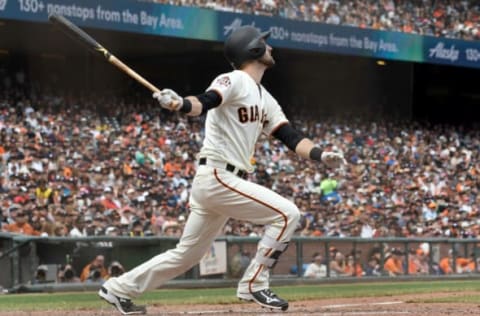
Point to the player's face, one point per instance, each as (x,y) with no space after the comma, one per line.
(267,58)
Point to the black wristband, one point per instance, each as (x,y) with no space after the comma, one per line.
(187,106)
(316,154)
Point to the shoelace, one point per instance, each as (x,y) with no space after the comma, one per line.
(270,293)
(127,303)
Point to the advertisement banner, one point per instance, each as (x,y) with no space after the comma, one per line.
(329,38)
(205,24)
(118,15)
(452,52)
(356,41)
(215,260)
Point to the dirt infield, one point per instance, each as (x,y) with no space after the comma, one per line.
(389,305)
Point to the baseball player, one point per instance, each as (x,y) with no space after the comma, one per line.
(238,110)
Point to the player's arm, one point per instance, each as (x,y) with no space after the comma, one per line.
(297,142)
(305,148)
(191,105)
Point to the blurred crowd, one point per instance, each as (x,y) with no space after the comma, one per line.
(443,18)
(67,170)
(390,261)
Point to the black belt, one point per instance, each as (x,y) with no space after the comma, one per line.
(229,167)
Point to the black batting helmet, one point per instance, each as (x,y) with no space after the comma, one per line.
(245,43)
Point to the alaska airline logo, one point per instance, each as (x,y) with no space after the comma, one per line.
(236,23)
(441,52)
(3,4)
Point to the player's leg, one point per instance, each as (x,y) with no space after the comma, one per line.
(244,200)
(254,284)
(200,230)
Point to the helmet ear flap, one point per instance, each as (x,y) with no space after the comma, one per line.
(244,44)
(257,52)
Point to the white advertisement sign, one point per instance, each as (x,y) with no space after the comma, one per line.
(215,260)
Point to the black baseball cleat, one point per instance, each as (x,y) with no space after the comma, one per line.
(265,298)
(124,305)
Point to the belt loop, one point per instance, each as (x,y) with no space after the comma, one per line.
(242,174)
(229,167)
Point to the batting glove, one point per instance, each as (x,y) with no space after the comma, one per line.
(169,99)
(333,159)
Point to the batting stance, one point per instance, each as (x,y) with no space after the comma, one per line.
(238,110)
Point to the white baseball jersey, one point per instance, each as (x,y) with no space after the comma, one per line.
(233,128)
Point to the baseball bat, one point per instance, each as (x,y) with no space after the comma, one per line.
(78,34)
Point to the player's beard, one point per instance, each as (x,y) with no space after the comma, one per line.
(267,60)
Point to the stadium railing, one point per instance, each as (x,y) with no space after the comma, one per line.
(20,255)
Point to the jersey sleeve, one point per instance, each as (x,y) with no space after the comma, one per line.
(275,116)
(225,85)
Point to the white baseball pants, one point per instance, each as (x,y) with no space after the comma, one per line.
(216,196)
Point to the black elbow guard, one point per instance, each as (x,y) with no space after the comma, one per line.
(209,100)
(289,136)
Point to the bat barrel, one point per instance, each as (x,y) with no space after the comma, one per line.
(75,32)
